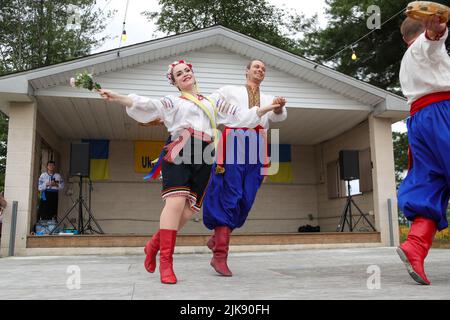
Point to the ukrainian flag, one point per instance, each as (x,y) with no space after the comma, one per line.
(99,154)
(284,174)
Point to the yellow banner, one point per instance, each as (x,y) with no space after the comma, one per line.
(144,153)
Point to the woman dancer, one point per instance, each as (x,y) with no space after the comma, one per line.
(191,119)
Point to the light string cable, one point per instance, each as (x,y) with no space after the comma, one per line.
(365,36)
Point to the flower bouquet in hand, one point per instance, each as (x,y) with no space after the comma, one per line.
(84,80)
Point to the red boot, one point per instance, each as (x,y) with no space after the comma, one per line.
(151,250)
(219,260)
(211,242)
(415,249)
(166,248)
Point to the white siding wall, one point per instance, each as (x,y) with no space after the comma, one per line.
(126,204)
(214,67)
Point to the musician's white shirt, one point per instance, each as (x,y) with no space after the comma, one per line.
(178,113)
(238,96)
(45,177)
(425,68)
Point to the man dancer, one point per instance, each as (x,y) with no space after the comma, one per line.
(233,186)
(424,194)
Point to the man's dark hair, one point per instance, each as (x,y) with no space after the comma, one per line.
(51,161)
(249,65)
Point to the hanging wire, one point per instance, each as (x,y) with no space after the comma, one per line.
(106,5)
(124,32)
(352,45)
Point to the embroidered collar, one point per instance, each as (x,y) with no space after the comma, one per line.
(254,96)
(198,96)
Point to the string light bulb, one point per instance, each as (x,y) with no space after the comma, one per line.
(123,36)
(354,57)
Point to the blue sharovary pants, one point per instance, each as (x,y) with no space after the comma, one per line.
(426,189)
(230,196)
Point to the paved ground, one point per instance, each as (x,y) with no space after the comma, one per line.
(303,274)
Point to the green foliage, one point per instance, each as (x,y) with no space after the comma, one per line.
(379,54)
(3,140)
(37,33)
(400,141)
(255,18)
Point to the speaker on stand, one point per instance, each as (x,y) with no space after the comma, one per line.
(349,170)
(80,167)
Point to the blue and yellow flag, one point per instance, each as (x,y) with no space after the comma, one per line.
(284,174)
(99,154)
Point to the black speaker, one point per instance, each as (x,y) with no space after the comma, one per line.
(349,164)
(79,159)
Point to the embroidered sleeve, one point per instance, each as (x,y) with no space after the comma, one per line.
(146,110)
(167,103)
(225,108)
(232,116)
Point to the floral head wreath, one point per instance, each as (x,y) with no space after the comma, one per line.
(172,65)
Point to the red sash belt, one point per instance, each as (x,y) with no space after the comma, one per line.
(174,148)
(425,101)
(221,149)
(420,104)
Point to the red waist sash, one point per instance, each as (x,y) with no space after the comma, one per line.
(425,101)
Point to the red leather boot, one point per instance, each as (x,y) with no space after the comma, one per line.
(211,242)
(415,249)
(151,250)
(166,248)
(220,252)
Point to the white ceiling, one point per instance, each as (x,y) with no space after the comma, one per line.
(83,118)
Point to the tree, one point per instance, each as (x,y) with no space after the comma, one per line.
(400,141)
(255,18)
(379,54)
(3,140)
(36,33)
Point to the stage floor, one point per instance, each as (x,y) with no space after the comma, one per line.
(118,240)
(305,274)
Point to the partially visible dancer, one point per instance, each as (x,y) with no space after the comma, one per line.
(424,194)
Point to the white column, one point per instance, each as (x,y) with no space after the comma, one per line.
(383,174)
(19,180)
